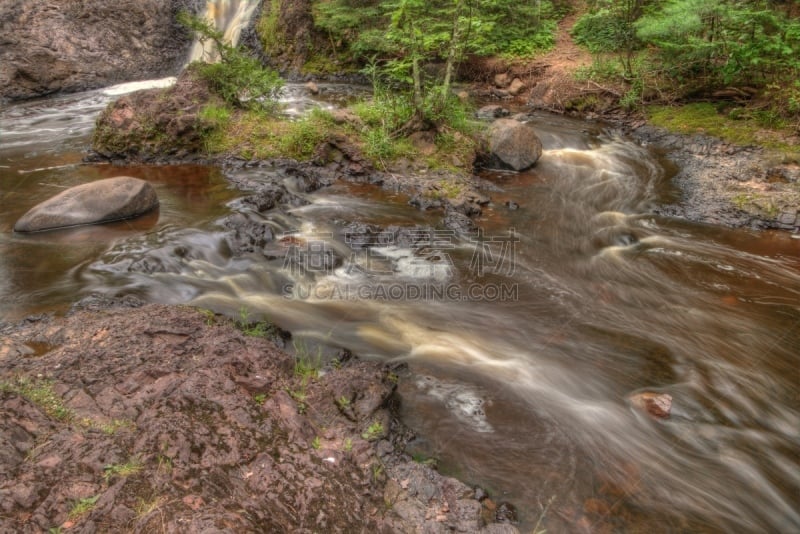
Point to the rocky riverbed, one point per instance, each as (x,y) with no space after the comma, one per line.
(139,418)
(726,184)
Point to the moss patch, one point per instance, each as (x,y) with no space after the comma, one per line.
(705,118)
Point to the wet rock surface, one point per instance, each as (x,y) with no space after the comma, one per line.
(51,46)
(726,184)
(112,199)
(159,418)
(513,145)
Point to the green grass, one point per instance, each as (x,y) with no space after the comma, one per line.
(307,363)
(257,134)
(82,507)
(254,328)
(373,432)
(704,118)
(253,134)
(40,392)
(129,468)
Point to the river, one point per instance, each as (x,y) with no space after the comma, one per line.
(524,341)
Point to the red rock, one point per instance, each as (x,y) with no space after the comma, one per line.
(194,502)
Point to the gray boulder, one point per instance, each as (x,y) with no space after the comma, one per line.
(112,199)
(513,145)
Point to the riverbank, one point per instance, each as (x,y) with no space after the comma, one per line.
(146,417)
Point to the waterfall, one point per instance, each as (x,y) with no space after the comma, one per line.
(230,16)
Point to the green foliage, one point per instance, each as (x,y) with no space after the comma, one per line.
(347,21)
(609,27)
(684,47)
(374,432)
(602,31)
(316,443)
(601,69)
(238,78)
(540,40)
(490,27)
(723,41)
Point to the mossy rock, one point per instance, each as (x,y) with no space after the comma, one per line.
(156,123)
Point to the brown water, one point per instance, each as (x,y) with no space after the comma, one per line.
(525,394)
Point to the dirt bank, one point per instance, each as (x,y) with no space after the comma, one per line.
(147,418)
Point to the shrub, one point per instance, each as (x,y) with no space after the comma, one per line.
(240,79)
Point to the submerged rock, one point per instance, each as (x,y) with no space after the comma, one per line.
(656,404)
(492,111)
(112,199)
(513,145)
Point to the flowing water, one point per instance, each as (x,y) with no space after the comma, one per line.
(231,17)
(523,342)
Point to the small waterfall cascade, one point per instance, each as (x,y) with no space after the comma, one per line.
(230,16)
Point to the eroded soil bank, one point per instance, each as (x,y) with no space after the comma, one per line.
(149,418)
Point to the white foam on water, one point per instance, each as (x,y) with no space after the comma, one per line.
(464,402)
(130,87)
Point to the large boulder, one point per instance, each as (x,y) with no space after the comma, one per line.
(513,145)
(49,46)
(112,199)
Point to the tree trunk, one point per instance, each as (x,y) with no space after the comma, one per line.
(452,52)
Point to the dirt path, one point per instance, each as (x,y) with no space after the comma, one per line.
(566,56)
